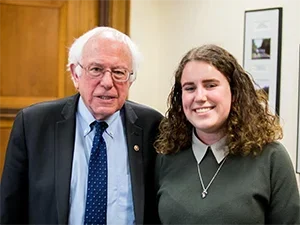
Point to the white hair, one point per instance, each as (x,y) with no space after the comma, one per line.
(75,51)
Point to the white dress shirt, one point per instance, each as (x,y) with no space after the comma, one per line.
(119,191)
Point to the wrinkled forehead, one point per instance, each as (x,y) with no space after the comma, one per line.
(106,45)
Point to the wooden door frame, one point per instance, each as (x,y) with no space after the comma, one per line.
(116,14)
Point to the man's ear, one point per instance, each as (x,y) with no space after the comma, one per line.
(75,76)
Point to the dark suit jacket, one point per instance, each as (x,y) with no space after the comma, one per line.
(35,186)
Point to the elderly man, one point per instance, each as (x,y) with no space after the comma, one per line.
(88,158)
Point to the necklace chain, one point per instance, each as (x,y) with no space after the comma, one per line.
(205,189)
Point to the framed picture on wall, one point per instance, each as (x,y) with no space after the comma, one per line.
(298,127)
(262,51)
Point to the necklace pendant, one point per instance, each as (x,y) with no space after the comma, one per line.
(204,193)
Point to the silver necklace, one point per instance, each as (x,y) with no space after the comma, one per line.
(205,189)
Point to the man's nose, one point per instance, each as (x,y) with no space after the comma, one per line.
(107,80)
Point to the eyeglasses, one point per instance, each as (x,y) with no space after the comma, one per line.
(118,74)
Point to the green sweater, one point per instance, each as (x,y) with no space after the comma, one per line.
(247,190)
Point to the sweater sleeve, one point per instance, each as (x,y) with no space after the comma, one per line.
(157,183)
(284,207)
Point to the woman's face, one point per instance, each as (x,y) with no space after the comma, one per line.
(206,99)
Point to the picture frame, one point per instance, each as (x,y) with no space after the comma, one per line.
(298,124)
(262,51)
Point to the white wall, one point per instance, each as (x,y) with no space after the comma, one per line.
(144,21)
(166,29)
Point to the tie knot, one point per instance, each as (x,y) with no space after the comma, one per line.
(100,127)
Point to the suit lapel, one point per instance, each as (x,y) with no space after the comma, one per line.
(134,135)
(64,147)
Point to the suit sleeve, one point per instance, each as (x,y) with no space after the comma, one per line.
(285,203)
(14,183)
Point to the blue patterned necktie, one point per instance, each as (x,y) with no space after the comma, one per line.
(96,196)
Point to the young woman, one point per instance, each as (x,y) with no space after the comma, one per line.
(220,161)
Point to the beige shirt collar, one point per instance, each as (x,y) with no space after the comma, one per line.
(219,149)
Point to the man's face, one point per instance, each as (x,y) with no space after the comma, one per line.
(102,95)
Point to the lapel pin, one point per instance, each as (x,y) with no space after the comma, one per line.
(136,148)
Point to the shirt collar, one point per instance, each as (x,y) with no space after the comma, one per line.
(219,149)
(87,119)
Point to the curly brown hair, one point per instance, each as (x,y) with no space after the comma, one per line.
(250,124)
